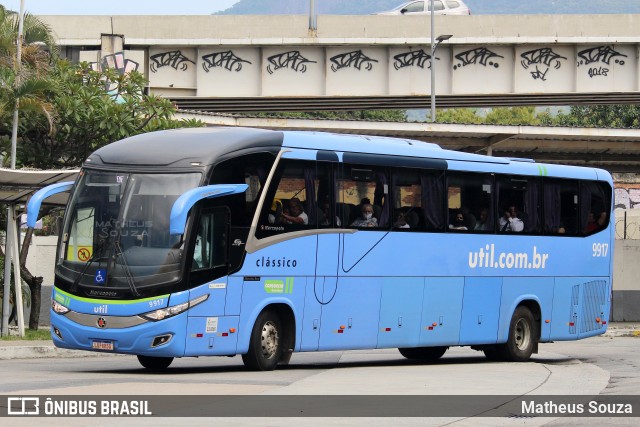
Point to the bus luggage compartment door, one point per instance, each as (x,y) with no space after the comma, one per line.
(481,310)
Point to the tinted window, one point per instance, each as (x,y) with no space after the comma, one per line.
(560,206)
(452,4)
(360,187)
(595,206)
(437,5)
(290,204)
(518,203)
(417,199)
(470,202)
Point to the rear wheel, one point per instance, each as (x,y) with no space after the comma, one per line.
(265,345)
(155,363)
(522,336)
(423,353)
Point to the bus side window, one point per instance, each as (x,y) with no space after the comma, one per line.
(291,202)
(523,193)
(595,206)
(470,202)
(560,206)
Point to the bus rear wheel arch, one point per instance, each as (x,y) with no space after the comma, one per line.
(523,336)
(427,354)
(155,363)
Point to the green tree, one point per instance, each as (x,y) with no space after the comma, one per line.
(604,116)
(512,116)
(459,115)
(373,115)
(92,109)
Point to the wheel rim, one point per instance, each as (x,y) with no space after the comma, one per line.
(522,334)
(269,340)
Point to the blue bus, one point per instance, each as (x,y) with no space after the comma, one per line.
(237,241)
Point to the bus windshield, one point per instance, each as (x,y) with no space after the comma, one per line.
(116,234)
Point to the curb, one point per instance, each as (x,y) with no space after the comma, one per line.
(45,352)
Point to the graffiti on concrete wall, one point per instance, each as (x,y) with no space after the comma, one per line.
(355,59)
(598,59)
(227,60)
(543,60)
(415,58)
(174,59)
(627,196)
(117,62)
(480,55)
(292,59)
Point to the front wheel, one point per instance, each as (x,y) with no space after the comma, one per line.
(428,354)
(265,345)
(522,336)
(155,363)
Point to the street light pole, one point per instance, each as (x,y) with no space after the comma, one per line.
(433,65)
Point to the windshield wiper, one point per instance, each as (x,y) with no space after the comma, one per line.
(125,265)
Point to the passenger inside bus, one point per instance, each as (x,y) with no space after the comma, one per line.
(458,222)
(483,222)
(296,214)
(366,219)
(510,222)
(401,221)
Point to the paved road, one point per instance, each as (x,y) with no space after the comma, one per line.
(598,365)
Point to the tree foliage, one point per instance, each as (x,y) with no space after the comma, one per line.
(91,109)
(372,115)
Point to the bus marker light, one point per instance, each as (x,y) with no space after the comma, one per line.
(572,324)
(547,321)
(387,329)
(199,335)
(225,334)
(598,319)
(431,328)
(342,326)
(604,322)
(434,324)
(341,331)
(232,330)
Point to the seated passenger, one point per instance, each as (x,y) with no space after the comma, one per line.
(401,221)
(510,222)
(367,219)
(296,214)
(458,222)
(594,224)
(326,209)
(483,223)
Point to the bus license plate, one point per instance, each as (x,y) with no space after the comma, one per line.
(102,345)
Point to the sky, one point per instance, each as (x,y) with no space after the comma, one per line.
(120,7)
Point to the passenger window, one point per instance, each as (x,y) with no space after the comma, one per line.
(595,206)
(417,199)
(452,4)
(470,202)
(518,204)
(560,207)
(290,204)
(252,170)
(363,197)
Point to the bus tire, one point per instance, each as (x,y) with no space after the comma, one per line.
(155,363)
(265,344)
(428,354)
(522,336)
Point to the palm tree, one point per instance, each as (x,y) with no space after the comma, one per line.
(27,87)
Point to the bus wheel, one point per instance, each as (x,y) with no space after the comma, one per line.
(522,336)
(423,353)
(155,363)
(265,345)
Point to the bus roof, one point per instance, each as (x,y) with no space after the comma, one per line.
(205,146)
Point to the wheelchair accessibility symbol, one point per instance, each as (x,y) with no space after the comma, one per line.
(100,277)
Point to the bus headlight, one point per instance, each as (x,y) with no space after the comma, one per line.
(165,313)
(59,308)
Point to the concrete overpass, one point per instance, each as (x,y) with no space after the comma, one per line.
(252,63)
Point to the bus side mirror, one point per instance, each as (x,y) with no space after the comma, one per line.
(33,207)
(182,206)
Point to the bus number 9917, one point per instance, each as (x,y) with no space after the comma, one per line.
(600,249)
